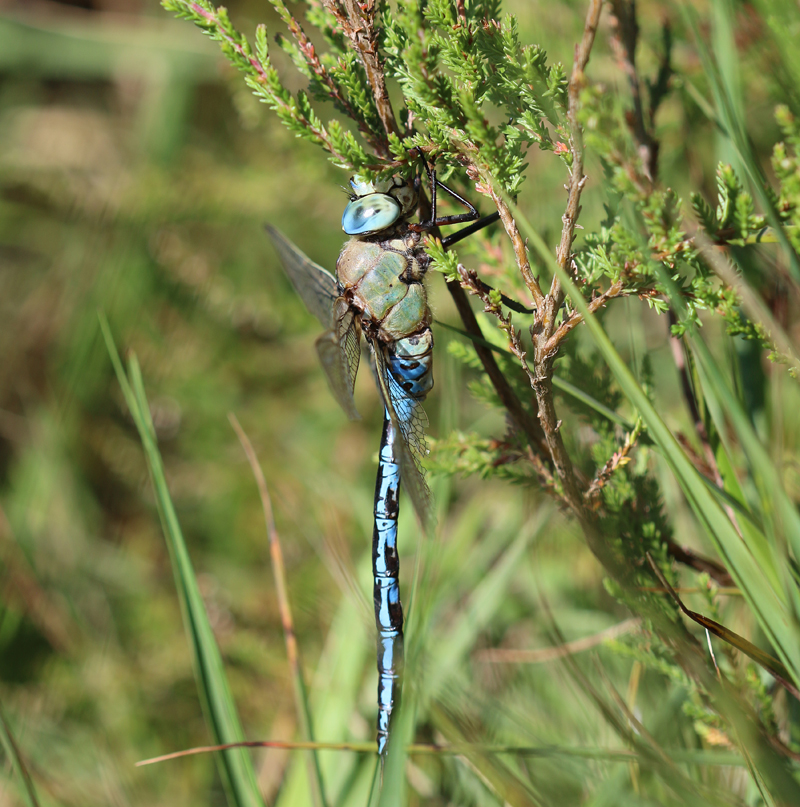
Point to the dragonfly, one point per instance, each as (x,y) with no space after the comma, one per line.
(379,292)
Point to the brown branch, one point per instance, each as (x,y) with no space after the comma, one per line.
(486,184)
(544,352)
(313,61)
(624,37)
(617,289)
(518,244)
(577,178)
(618,460)
(538,461)
(700,563)
(470,282)
(541,377)
(357,21)
(521,419)
(551,425)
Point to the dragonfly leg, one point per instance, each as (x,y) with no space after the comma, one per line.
(441,221)
(386,590)
(475,227)
(454,238)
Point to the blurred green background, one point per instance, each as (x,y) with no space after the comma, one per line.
(136,172)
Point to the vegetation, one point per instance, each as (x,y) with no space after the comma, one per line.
(622,480)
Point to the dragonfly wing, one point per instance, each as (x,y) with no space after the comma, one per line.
(316,286)
(408,415)
(339,347)
(339,352)
(348,329)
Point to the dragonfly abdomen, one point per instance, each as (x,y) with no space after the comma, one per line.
(386,587)
(411,363)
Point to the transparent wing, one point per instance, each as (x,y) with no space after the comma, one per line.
(339,351)
(350,342)
(316,286)
(339,348)
(408,415)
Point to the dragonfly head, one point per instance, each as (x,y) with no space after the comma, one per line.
(376,206)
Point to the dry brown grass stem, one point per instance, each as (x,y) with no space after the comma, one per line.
(509,655)
(284,607)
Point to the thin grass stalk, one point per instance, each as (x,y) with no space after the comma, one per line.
(682,755)
(292,650)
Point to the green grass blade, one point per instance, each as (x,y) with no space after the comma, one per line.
(393,786)
(17,763)
(730,121)
(235,766)
(449,650)
(778,507)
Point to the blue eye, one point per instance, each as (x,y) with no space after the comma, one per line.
(370,214)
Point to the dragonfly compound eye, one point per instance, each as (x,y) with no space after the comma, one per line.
(370,214)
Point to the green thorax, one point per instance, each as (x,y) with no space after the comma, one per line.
(383,280)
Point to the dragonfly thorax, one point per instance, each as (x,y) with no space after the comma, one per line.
(383,281)
(377,206)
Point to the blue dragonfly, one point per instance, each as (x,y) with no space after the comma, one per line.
(379,291)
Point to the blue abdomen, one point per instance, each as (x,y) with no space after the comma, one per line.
(411,363)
